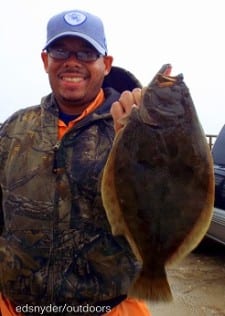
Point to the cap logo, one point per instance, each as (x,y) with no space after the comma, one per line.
(74,18)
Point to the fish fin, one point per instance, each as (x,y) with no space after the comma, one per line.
(152,288)
(111,203)
(201,226)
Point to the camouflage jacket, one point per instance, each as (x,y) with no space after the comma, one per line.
(56,245)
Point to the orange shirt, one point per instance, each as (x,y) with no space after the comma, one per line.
(6,308)
(129,306)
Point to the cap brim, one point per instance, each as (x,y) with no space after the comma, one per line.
(96,45)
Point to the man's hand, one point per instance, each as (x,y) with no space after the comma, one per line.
(122,108)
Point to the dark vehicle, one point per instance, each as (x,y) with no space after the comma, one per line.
(217,227)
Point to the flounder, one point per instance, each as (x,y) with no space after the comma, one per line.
(158,184)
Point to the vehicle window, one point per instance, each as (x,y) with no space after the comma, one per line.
(218,150)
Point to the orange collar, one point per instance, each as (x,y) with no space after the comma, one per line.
(63,128)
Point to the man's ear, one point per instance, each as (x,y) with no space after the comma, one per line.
(108,60)
(44,57)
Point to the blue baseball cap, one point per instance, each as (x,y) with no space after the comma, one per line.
(79,24)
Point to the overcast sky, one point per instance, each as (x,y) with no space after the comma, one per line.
(142,35)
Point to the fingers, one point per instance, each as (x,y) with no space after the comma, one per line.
(122,108)
(117,112)
(128,99)
(137,93)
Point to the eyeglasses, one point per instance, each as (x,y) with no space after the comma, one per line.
(85,56)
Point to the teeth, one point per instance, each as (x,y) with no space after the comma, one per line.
(72,79)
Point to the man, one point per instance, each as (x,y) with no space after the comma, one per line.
(57,253)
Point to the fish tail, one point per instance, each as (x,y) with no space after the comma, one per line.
(151,287)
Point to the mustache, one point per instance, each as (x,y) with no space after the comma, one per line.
(73,70)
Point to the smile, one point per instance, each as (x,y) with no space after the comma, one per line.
(72,79)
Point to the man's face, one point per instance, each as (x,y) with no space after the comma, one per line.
(75,83)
